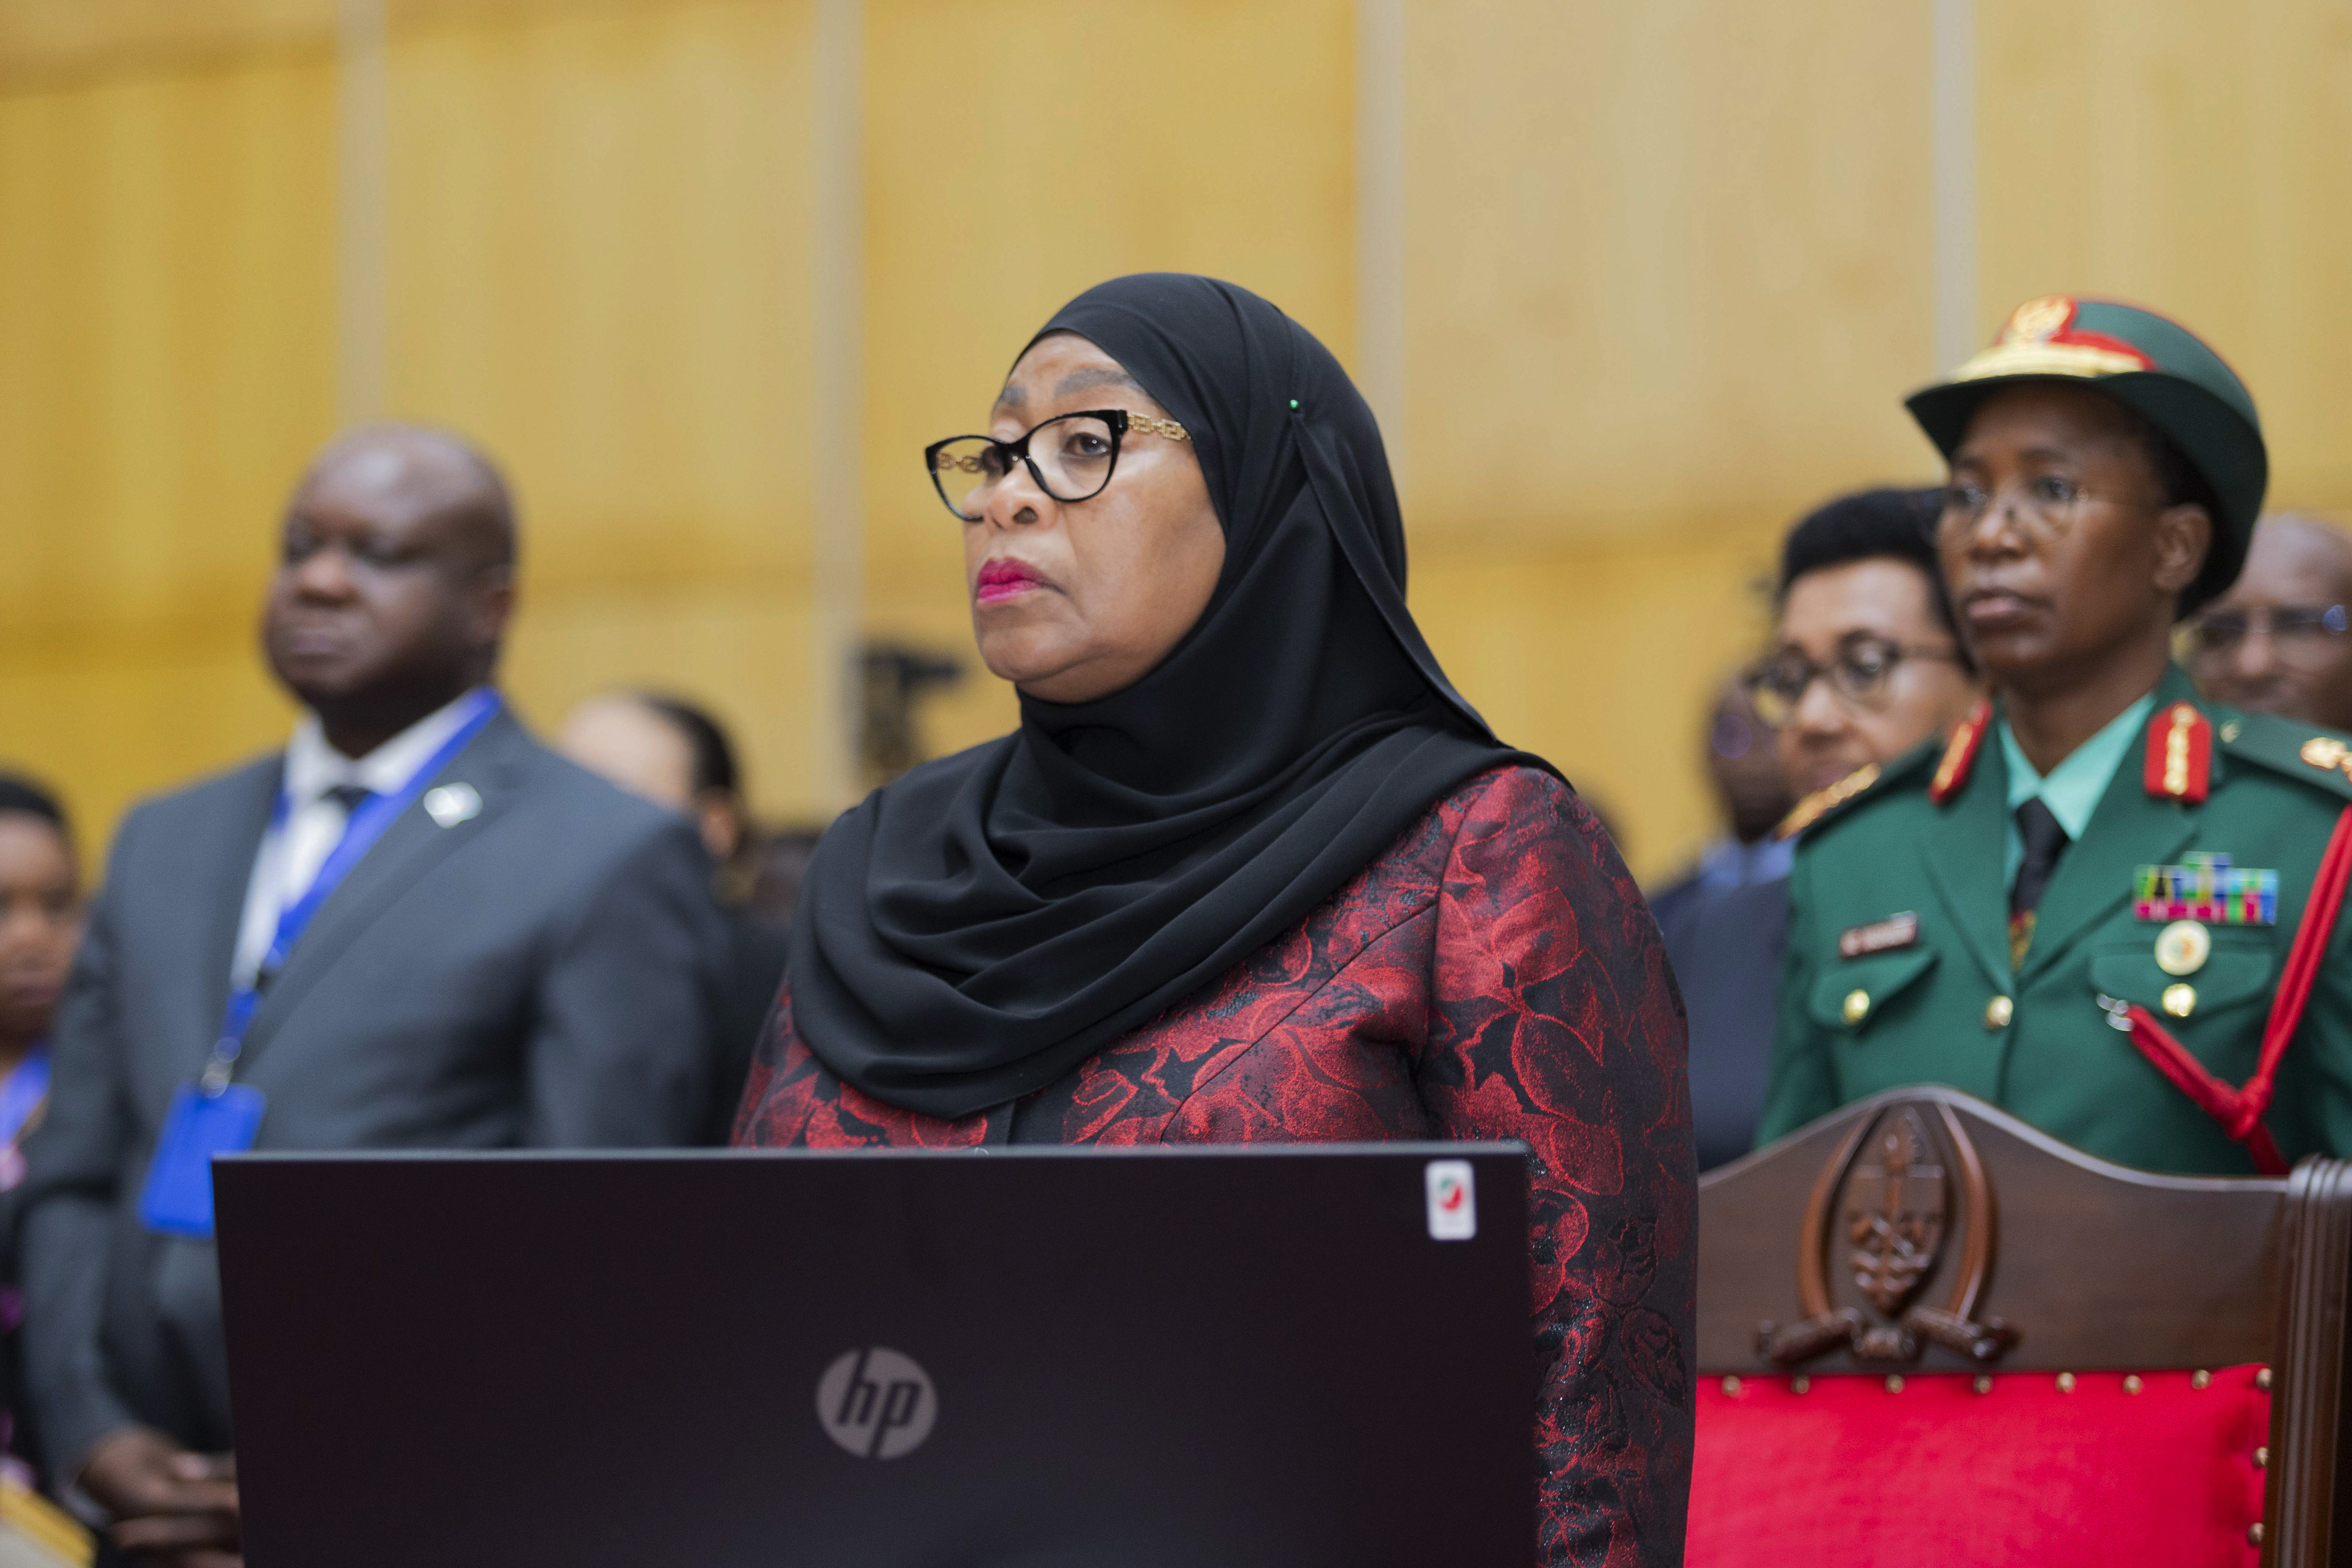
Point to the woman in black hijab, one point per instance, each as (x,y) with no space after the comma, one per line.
(1251,870)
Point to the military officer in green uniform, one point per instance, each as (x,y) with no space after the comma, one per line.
(2081,906)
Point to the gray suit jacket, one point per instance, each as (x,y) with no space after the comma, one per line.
(548,972)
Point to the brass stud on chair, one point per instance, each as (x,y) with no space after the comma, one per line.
(2132,1384)
(1894,1382)
(2201,1379)
(2066,1383)
(2263,1378)
(1800,1383)
(1731,1387)
(1984,1386)
(2263,1457)
(2255,1532)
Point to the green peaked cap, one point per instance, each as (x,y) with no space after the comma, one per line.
(2154,366)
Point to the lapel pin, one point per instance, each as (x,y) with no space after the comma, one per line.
(450,804)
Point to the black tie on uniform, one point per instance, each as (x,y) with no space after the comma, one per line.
(2045,841)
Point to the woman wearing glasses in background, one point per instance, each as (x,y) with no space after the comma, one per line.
(1865,665)
(1250,870)
(1868,661)
(2105,905)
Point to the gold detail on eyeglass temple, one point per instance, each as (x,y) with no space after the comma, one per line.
(1150,426)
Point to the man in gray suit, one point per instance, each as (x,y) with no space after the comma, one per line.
(506,951)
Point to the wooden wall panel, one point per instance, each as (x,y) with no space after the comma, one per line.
(165,332)
(1665,264)
(599,267)
(1666,281)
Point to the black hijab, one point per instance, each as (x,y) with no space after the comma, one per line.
(976,930)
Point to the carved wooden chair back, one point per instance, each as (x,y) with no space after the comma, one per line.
(1927,1332)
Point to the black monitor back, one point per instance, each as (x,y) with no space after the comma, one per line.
(1152,1359)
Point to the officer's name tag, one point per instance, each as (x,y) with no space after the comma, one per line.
(1879,936)
(178,1197)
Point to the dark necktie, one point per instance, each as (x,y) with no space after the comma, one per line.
(2045,841)
(349,797)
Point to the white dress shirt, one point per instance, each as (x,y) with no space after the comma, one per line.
(293,850)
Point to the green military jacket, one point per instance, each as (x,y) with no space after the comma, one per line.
(1898,967)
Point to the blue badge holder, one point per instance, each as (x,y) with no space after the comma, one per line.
(178,1197)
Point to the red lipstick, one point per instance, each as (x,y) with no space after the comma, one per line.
(1003,580)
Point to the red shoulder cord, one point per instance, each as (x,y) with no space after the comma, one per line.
(2240,1111)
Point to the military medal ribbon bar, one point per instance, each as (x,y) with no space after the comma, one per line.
(2207,888)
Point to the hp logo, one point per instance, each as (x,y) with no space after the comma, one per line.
(876,1403)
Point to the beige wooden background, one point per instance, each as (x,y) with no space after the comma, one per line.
(1631,284)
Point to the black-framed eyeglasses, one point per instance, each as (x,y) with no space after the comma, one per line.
(2290,629)
(1072,462)
(1858,673)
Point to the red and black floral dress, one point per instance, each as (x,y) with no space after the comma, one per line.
(1494,975)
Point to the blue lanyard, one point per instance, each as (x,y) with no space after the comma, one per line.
(367,825)
(22,1094)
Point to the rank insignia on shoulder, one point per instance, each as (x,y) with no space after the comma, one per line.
(2180,754)
(1960,754)
(2207,888)
(1819,804)
(1879,936)
(2328,754)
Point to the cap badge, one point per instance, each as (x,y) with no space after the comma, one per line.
(2038,321)
(2041,339)
(2206,889)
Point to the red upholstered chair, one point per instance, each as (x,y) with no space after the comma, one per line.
(1929,1334)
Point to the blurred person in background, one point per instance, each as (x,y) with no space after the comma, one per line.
(2102,903)
(1745,772)
(1722,925)
(2277,641)
(412,927)
(1867,660)
(1865,665)
(671,752)
(40,921)
(1251,870)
